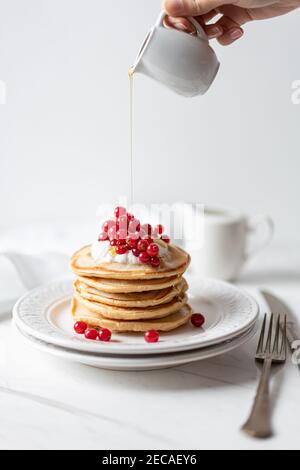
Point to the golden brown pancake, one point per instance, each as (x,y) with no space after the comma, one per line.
(128,314)
(83,264)
(81,312)
(127,286)
(130,300)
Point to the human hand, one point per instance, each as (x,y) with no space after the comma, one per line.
(228,28)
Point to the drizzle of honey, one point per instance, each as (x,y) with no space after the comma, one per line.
(130,76)
(112,251)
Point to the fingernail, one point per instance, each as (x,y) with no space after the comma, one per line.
(214,32)
(236,33)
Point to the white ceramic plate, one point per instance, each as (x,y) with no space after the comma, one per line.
(44,313)
(141,362)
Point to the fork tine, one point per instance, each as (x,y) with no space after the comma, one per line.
(284,335)
(276,339)
(260,345)
(269,339)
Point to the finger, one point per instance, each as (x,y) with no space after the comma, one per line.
(207,16)
(231,21)
(232,30)
(238,15)
(213,31)
(191,7)
(230,36)
(183,24)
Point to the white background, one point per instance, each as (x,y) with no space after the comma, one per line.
(64,149)
(64,132)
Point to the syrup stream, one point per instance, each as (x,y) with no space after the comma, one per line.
(130,76)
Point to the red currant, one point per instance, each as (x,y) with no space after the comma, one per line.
(107,225)
(120,211)
(159,229)
(132,241)
(143,245)
(80,327)
(134,226)
(136,252)
(112,232)
(91,333)
(130,217)
(198,320)
(144,257)
(147,238)
(123,222)
(104,334)
(103,237)
(113,242)
(166,238)
(121,249)
(155,262)
(121,234)
(120,242)
(153,249)
(146,228)
(151,336)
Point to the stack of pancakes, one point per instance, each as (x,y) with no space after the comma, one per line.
(131,297)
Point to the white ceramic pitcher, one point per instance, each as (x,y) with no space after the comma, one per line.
(183,62)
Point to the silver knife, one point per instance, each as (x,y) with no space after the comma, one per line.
(277,306)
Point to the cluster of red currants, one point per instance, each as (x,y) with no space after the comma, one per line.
(126,233)
(81,328)
(103,334)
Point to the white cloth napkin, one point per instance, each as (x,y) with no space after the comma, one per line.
(38,253)
(21,272)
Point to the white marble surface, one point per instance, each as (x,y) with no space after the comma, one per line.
(47,403)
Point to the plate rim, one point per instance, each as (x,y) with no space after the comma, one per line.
(162,361)
(60,338)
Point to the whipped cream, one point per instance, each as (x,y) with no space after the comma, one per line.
(103,252)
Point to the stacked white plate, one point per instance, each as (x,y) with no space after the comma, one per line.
(43,318)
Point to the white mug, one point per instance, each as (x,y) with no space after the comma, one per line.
(182,62)
(225,242)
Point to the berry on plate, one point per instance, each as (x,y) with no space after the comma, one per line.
(80,327)
(151,336)
(91,333)
(198,320)
(104,334)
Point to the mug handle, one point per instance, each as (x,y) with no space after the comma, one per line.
(200,31)
(253,224)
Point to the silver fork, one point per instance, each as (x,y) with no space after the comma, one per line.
(274,352)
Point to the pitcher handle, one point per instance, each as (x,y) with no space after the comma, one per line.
(200,31)
(253,224)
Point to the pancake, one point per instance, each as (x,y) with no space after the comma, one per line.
(129,300)
(129,314)
(83,264)
(127,286)
(81,312)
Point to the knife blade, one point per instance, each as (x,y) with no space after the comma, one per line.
(277,306)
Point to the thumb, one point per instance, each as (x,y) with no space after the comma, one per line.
(191,7)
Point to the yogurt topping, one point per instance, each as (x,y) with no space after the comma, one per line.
(103,252)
